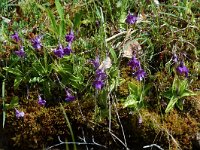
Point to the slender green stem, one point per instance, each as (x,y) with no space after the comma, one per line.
(69,125)
(3,98)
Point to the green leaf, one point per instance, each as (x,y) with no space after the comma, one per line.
(102,99)
(40,6)
(132,88)
(14,71)
(130,102)
(174,86)
(74,84)
(77,20)
(62,28)
(146,89)
(113,54)
(53,21)
(59,9)
(122,17)
(68,21)
(187,93)
(36,80)
(113,84)
(17,82)
(182,87)
(171,104)
(168,94)
(14,103)
(39,69)
(66,68)
(136,90)
(179,104)
(77,79)
(114,72)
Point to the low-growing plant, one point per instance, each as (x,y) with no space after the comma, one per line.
(136,98)
(177,93)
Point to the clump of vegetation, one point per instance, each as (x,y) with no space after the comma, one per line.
(128,70)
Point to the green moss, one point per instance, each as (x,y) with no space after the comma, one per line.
(182,128)
(126,74)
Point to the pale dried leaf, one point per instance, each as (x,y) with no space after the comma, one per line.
(106,64)
(131,47)
(156,2)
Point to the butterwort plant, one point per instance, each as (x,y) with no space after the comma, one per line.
(137,92)
(138,72)
(36,42)
(100,77)
(59,52)
(95,62)
(67,50)
(134,63)
(100,74)
(69,97)
(177,93)
(20,53)
(70,37)
(131,19)
(15,37)
(19,114)
(41,101)
(182,69)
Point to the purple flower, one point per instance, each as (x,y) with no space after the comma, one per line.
(70,37)
(98,84)
(134,63)
(41,101)
(15,37)
(69,96)
(95,62)
(59,51)
(21,52)
(67,50)
(140,74)
(36,42)
(19,114)
(131,19)
(140,120)
(100,74)
(181,69)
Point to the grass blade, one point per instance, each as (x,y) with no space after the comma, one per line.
(59,9)
(3,98)
(69,125)
(53,21)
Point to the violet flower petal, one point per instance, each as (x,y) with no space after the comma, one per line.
(15,37)
(70,37)
(19,114)
(41,101)
(131,19)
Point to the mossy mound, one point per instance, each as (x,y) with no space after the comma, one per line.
(41,127)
